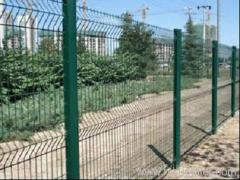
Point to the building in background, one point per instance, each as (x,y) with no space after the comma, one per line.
(95,42)
(211,32)
(13,33)
(29,34)
(224,54)
(9,34)
(7,31)
(164,52)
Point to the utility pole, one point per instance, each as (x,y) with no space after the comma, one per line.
(189,11)
(218,20)
(206,10)
(144,13)
(208,23)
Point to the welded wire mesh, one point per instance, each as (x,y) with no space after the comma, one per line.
(237,82)
(224,63)
(196,102)
(125,79)
(237,96)
(125,95)
(224,82)
(125,84)
(31,93)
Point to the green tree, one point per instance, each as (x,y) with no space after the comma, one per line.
(192,51)
(137,41)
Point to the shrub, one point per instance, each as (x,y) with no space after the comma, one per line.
(93,69)
(24,74)
(88,72)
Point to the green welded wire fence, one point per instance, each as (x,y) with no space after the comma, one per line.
(123,114)
(237,81)
(224,82)
(119,93)
(196,103)
(31,98)
(125,93)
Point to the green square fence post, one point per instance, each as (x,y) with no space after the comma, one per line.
(233,77)
(214,86)
(177,98)
(70,89)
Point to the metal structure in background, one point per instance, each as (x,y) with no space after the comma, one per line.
(113,80)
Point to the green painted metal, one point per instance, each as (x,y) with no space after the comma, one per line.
(233,77)
(214,85)
(177,97)
(70,89)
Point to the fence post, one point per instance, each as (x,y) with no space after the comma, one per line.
(70,89)
(177,98)
(214,85)
(233,77)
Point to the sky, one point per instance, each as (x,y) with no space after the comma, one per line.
(172,14)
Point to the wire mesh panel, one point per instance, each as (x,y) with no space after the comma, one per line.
(31,93)
(224,82)
(125,82)
(224,102)
(196,102)
(237,96)
(125,95)
(237,82)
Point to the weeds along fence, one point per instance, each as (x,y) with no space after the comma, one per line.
(86,94)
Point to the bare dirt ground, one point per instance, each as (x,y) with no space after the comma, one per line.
(217,157)
(119,143)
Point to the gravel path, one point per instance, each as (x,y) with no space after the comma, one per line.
(215,158)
